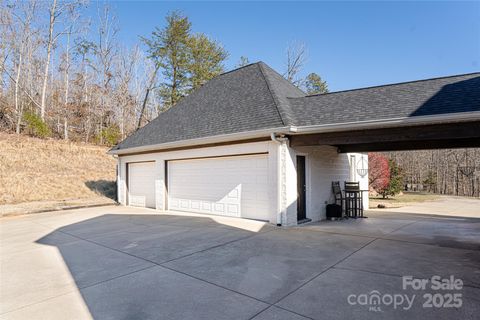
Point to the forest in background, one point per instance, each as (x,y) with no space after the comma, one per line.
(447,171)
(65,75)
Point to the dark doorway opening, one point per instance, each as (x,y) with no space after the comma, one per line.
(301,190)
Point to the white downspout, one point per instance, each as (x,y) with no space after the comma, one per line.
(281,177)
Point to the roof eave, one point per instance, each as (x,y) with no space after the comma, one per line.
(295,130)
(387,123)
(203,141)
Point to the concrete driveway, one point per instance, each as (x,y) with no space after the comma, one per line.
(126,263)
(443,206)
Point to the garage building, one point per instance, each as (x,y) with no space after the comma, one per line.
(250,144)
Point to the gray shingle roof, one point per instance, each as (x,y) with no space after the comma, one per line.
(256,97)
(249,98)
(281,90)
(418,98)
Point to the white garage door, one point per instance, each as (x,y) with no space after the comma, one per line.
(141,184)
(231,186)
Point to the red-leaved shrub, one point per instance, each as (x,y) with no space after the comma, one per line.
(378,172)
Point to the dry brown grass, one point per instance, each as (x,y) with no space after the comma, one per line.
(402,199)
(33,169)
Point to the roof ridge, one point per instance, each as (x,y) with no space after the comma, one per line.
(274,96)
(230,71)
(280,89)
(264,65)
(388,85)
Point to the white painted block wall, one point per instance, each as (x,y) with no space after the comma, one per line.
(324,165)
(159,172)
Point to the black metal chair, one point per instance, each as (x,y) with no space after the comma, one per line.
(353,199)
(338,194)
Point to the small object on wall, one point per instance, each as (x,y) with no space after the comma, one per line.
(362,167)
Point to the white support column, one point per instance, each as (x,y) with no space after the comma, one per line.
(290,186)
(117,180)
(121,181)
(286,184)
(281,182)
(160,185)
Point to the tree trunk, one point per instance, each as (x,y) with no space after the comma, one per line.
(142,111)
(144,104)
(456,182)
(17,107)
(87,122)
(47,62)
(174,87)
(67,69)
(65,128)
(19,118)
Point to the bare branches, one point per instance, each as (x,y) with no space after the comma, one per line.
(147,93)
(23,89)
(296,58)
(80,83)
(440,171)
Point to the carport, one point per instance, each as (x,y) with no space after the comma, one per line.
(427,114)
(448,134)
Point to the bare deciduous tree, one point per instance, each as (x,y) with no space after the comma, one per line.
(150,87)
(447,171)
(68,11)
(296,58)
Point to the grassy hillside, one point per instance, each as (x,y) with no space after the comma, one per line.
(32,169)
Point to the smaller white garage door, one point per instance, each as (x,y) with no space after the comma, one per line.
(141,184)
(231,186)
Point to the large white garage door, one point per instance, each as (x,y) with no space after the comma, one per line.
(141,184)
(231,186)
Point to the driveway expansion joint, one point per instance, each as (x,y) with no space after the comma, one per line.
(156,264)
(371,235)
(405,225)
(392,275)
(325,270)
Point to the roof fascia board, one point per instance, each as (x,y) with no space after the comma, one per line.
(205,140)
(385,123)
(346,126)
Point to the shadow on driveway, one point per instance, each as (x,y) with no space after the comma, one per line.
(169,266)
